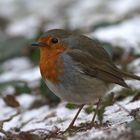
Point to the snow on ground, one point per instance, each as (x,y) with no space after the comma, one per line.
(19,69)
(125,34)
(17,64)
(49,118)
(85,14)
(135,66)
(79,14)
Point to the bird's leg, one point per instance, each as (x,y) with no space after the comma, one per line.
(95,113)
(74,119)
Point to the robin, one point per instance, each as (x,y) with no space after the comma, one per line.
(76,68)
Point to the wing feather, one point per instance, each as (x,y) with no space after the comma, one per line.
(94,67)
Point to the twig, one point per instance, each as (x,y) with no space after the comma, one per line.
(126,110)
(7,120)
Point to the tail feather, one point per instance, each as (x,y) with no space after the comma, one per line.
(131,76)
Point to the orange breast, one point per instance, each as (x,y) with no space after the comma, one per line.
(51,66)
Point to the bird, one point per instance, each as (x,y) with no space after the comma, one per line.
(77,68)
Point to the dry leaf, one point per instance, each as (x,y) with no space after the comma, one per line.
(11,101)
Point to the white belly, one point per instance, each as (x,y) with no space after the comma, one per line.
(82,93)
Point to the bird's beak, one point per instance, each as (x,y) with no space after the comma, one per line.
(35,45)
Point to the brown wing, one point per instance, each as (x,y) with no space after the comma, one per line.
(100,68)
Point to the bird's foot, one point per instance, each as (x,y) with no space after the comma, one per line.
(70,128)
(82,127)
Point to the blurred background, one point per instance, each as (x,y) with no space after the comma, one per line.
(116,23)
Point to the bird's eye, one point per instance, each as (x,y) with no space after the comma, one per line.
(54,40)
